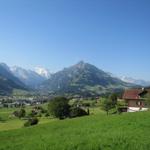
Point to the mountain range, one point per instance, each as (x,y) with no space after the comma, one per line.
(83,79)
(79,79)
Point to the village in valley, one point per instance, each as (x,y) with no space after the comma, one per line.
(133,99)
(22,101)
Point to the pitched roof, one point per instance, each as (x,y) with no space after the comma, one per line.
(132,94)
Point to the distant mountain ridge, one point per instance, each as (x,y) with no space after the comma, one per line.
(8,81)
(28,77)
(83,79)
(135,81)
(131,80)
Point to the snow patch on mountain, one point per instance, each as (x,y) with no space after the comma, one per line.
(43,72)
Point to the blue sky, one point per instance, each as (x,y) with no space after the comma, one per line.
(114,35)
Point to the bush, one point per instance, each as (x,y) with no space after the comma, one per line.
(20,114)
(16,113)
(40,109)
(43,111)
(47,115)
(86,104)
(27,124)
(77,112)
(39,115)
(33,113)
(31,122)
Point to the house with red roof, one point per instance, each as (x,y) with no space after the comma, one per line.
(135,99)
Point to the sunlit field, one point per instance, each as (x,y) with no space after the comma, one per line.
(129,131)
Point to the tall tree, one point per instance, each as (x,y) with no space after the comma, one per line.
(59,107)
(106,105)
(113,98)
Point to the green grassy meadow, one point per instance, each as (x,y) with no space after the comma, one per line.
(8,122)
(129,131)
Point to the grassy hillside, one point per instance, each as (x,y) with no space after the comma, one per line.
(9,122)
(96,132)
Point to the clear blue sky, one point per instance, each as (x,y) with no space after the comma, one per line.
(114,35)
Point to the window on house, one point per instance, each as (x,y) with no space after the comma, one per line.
(139,103)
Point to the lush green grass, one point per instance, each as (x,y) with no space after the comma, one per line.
(9,122)
(130,131)
(12,124)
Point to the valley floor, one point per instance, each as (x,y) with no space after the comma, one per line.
(129,131)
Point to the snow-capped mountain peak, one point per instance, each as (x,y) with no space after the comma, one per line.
(43,72)
(28,77)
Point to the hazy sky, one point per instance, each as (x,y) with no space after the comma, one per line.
(114,35)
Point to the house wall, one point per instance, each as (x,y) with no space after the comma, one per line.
(135,103)
(133,106)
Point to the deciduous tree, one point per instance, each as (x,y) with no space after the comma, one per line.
(59,107)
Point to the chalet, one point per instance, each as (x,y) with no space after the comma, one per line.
(135,99)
